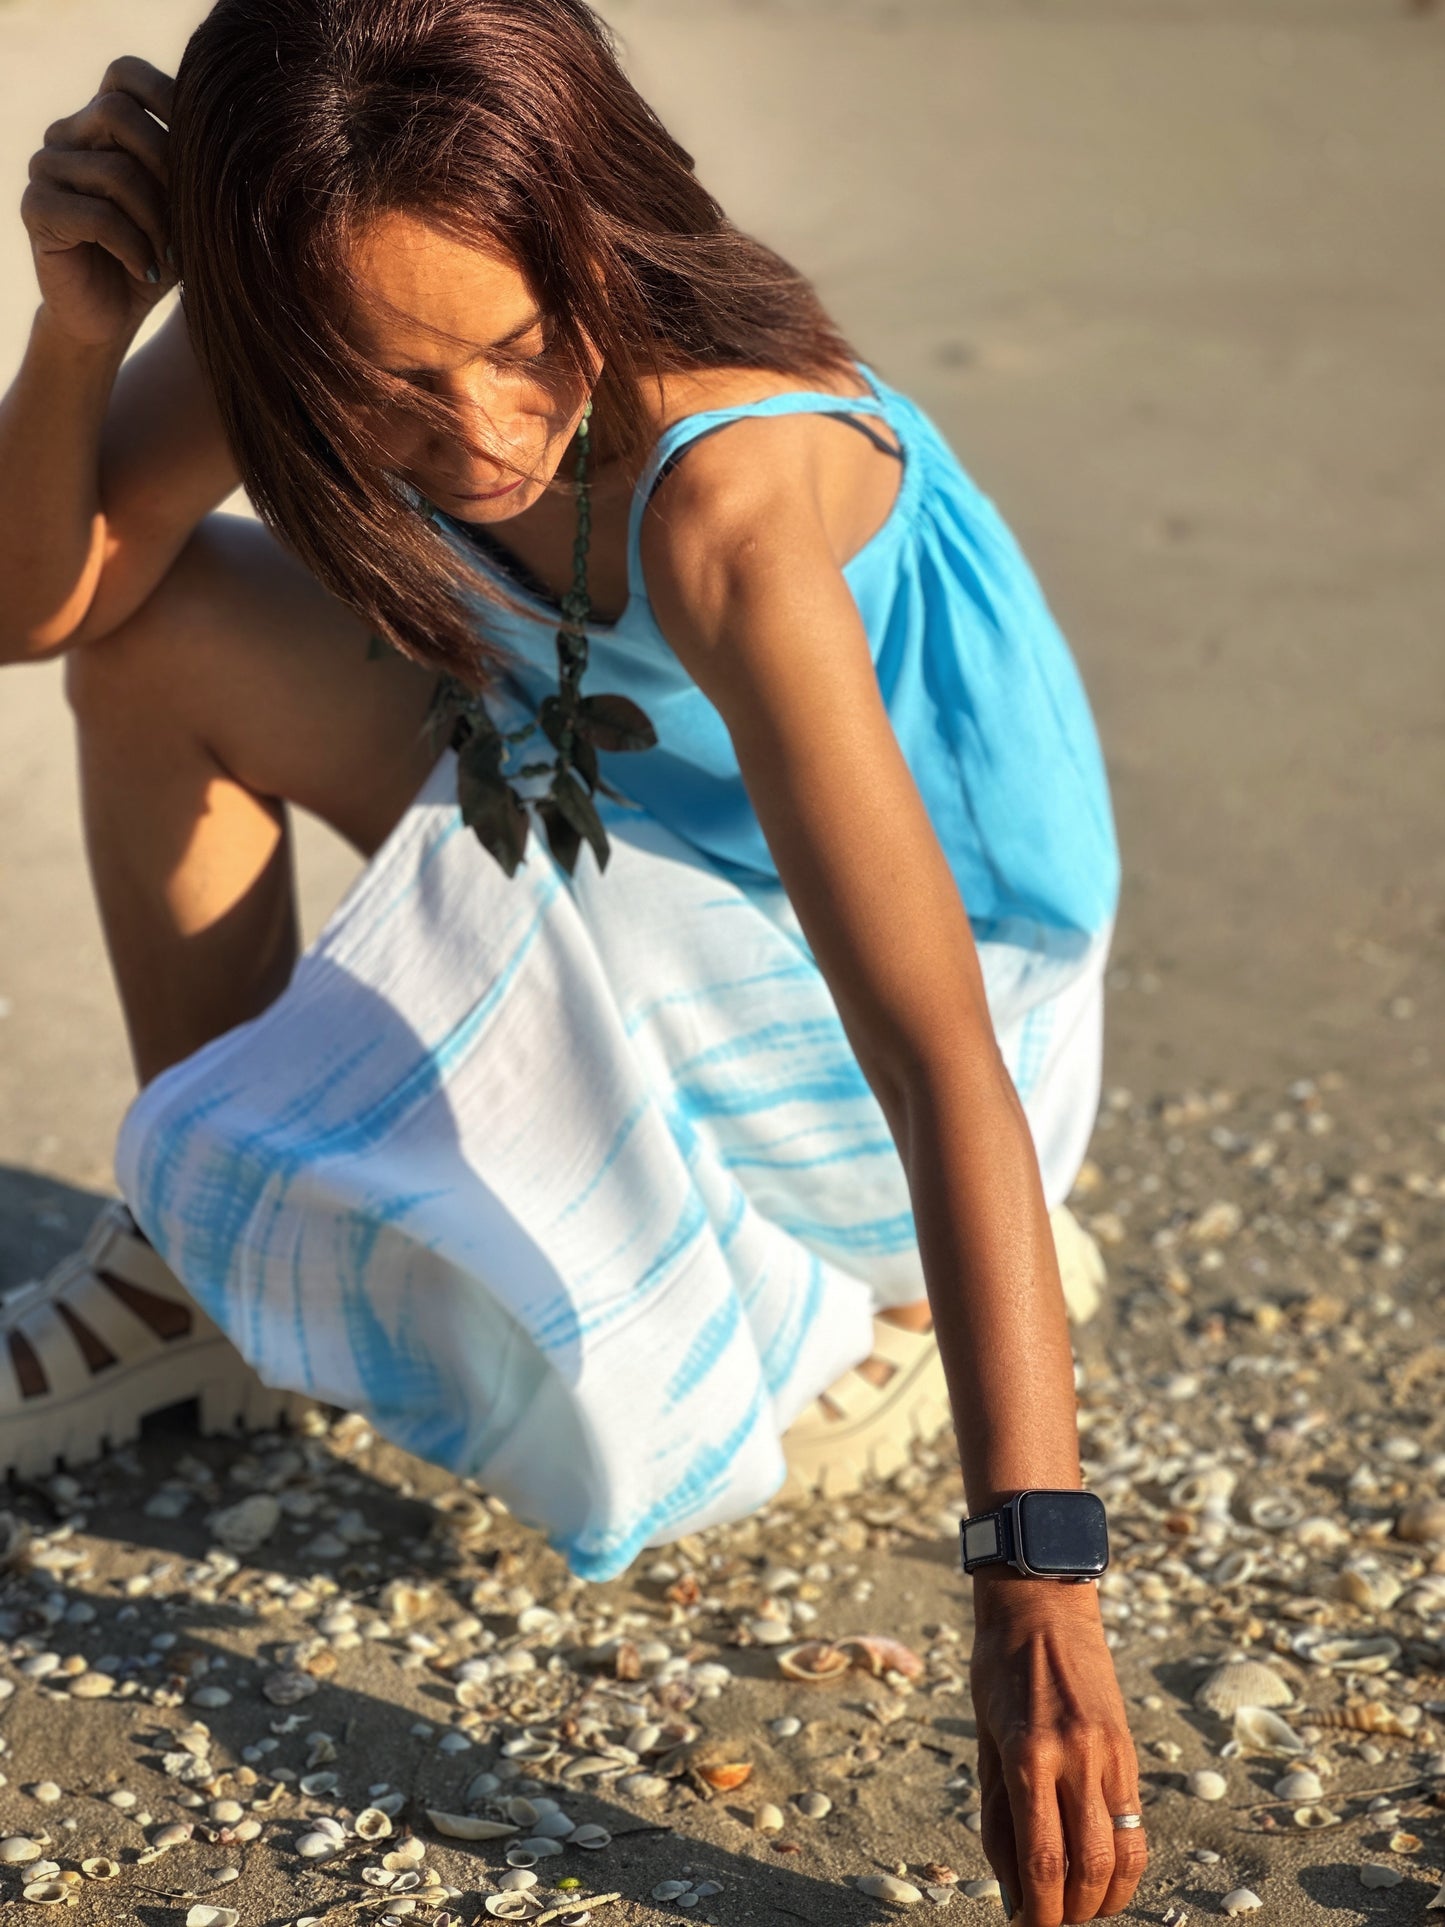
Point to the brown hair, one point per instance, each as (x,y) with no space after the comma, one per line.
(503,123)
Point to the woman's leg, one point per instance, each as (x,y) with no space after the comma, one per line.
(239,686)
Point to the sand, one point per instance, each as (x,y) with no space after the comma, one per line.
(1169,276)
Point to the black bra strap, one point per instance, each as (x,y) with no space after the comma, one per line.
(852,420)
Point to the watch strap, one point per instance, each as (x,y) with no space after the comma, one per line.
(987,1538)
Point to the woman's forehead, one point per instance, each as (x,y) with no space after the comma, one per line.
(422,294)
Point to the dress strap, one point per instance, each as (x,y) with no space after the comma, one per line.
(674,440)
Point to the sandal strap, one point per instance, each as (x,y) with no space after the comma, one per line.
(900,1347)
(60,1358)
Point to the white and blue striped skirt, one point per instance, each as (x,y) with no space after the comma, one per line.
(571,1185)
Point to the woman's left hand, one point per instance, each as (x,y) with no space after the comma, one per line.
(1055,1757)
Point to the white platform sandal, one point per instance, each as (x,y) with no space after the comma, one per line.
(870,1434)
(107,1337)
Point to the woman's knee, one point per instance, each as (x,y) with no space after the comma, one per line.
(142,657)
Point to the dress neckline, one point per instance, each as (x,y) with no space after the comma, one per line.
(518,578)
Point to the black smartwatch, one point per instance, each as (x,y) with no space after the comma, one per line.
(1046,1535)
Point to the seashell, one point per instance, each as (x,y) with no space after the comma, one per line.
(1207,1489)
(593,1838)
(531,1747)
(1369,1716)
(1242,1682)
(1299,1785)
(518,1881)
(877,1653)
(670,1889)
(17,1849)
(317,1846)
(982,1890)
(522,1811)
(540,1847)
(372,1824)
(556,1825)
(814,1663)
(521,1857)
(284,1688)
(813,1806)
(47,1893)
(1438,1901)
(204,1916)
(1374,1874)
(1372,1654)
(512,1906)
(405,1603)
(100,1867)
(768,1819)
(1422,1523)
(312,1784)
(1275,1511)
(377,1876)
(1404,1843)
(1319,1533)
(1234,1568)
(1365,1582)
(1206,1785)
(724,1778)
(470,1826)
(410,1853)
(242,1528)
(174,1834)
(1243,1900)
(887,1886)
(1315,1816)
(1260,1731)
(1426,1598)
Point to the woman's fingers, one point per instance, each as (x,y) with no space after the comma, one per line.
(1089,1842)
(105,175)
(1120,1790)
(114,119)
(998,1827)
(129,74)
(1031,1778)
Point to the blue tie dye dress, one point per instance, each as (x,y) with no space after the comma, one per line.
(573,1184)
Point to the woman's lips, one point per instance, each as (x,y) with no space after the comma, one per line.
(486,495)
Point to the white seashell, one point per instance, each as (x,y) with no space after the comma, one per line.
(313,1783)
(242,1528)
(540,1847)
(554,1826)
(371,1824)
(1365,1582)
(522,1811)
(44,1870)
(1426,1598)
(1320,1533)
(377,1876)
(813,1806)
(17,1849)
(521,1857)
(670,1889)
(1208,1488)
(1342,1653)
(174,1834)
(1234,1568)
(511,1906)
(768,1819)
(317,1846)
(1315,1816)
(591,1837)
(469,1826)
(204,1916)
(981,1890)
(530,1748)
(1242,1901)
(409,1853)
(1206,1785)
(1438,1901)
(886,1886)
(1275,1511)
(1374,1874)
(91,1686)
(1261,1731)
(100,1867)
(1242,1682)
(1299,1785)
(517,1881)
(47,1893)
(643,1786)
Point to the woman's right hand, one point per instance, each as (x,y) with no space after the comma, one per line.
(97,208)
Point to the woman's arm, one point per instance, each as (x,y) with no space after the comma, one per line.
(747,591)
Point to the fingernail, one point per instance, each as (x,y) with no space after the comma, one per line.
(1008,1906)
(153,273)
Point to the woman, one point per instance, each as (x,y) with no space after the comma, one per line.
(586,1175)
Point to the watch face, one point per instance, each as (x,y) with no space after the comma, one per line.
(1063,1532)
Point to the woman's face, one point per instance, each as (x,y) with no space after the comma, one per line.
(508,406)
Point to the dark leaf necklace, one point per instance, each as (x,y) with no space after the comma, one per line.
(577,726)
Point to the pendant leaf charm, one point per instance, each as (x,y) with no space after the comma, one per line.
(489,804)
(614,723)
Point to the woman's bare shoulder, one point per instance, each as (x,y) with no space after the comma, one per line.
(696,392)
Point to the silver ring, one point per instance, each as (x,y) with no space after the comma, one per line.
(1128,1819)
